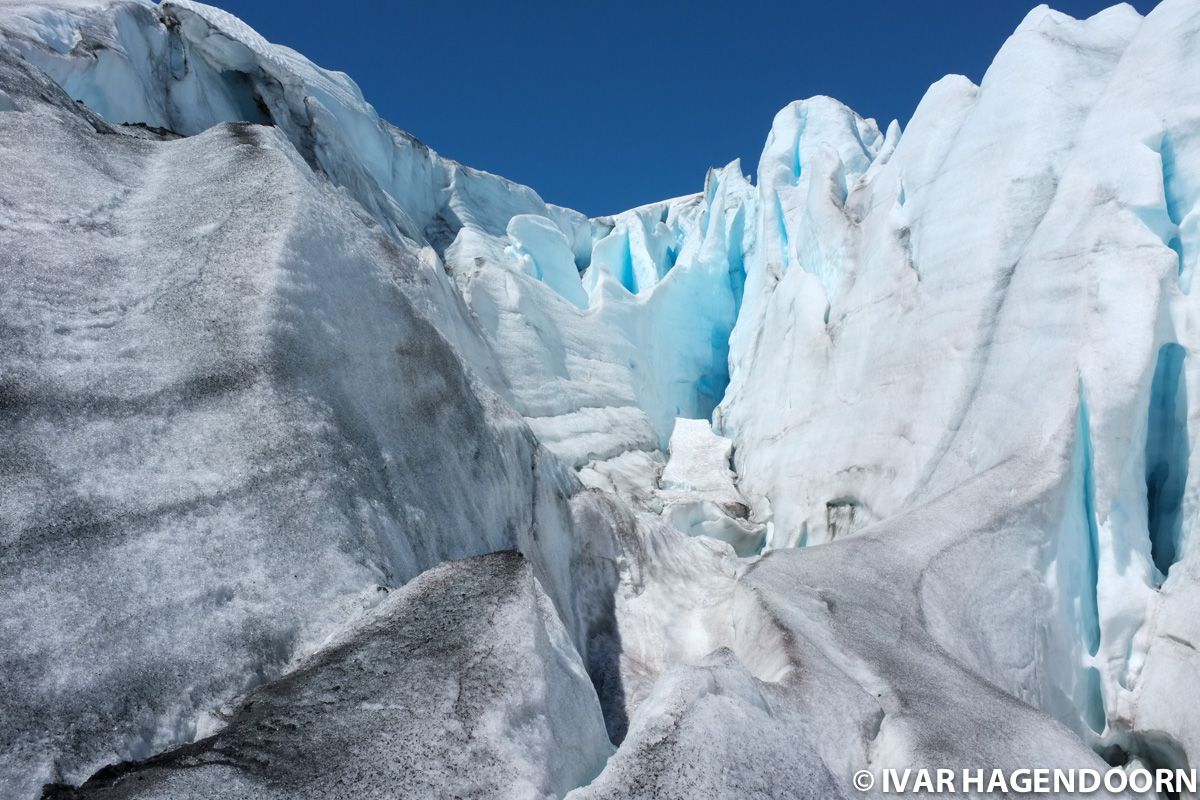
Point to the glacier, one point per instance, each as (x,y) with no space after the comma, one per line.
(335,468)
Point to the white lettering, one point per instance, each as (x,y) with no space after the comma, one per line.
(1032,780)
(889,780)
(996,782)
(1185,779)
(1136,777)
(945,780)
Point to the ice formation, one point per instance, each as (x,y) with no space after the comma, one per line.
(332,467)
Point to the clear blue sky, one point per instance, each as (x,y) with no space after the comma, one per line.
(602,105)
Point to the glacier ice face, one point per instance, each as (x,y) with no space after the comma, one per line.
(663,286)
(267,359)
(933,347)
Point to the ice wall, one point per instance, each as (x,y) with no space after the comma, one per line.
(1005,278)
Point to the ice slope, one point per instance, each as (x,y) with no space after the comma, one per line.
(264,353)
(462,683)
(185,66)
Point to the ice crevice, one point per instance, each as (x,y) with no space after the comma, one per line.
(1180,197)
(1167,451)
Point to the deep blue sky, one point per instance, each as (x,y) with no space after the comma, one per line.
(602,105)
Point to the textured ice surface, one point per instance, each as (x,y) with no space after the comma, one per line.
(695,490)
(265,356)
(463,683)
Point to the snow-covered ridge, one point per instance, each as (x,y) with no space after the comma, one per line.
(185,66)
(268,357)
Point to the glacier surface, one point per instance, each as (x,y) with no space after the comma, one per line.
(335,468)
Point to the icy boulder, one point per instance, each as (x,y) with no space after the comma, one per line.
(698,490)
(463,683)
(541,250)
(695,490)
